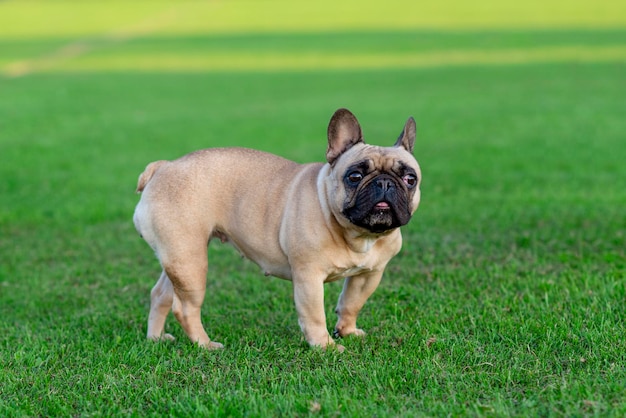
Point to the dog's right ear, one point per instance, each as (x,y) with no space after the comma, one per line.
(344,132)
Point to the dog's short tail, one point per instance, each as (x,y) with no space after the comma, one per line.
(147,174)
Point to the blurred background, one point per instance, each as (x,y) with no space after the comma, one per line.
(91,91)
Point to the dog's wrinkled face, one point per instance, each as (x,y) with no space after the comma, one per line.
(379,191)
(376,188)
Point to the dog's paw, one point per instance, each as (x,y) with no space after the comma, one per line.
(162,337)
(212,345)
(334,347)
(329,347)
(337,347)
(357,332)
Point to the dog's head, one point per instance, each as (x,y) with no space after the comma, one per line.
(374,188)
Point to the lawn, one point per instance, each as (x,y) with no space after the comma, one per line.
(508,298)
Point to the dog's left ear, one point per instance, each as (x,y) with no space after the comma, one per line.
(344,132)
(406,139)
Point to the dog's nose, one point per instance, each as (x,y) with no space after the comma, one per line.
(384,184)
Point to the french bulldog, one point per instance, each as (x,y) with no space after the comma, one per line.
(308,223)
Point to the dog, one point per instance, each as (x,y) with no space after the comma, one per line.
(308,223)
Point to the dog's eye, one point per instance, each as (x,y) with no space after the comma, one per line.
(355,177)
(410,180)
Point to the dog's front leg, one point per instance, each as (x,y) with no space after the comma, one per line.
(355,292)
(308,291)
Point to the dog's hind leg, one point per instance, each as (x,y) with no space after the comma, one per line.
(161,299)
(187,273)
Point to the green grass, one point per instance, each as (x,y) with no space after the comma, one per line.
(508,296)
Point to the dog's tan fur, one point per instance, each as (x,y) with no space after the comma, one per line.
(284,216)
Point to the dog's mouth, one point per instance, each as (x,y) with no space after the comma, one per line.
(381,217)
(382,207)
(382,211)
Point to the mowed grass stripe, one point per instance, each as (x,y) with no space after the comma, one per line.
(123,51)
(89,26)
(42,19)
(78,59)
(335,61)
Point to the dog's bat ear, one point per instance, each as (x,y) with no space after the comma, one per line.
(406,139)
(344,132)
